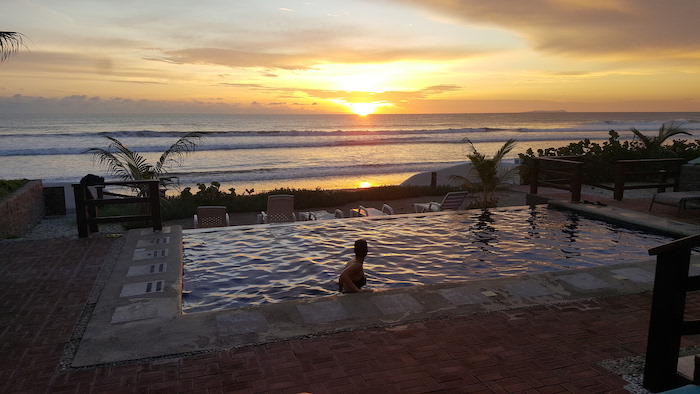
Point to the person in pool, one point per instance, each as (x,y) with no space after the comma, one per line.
(353,276)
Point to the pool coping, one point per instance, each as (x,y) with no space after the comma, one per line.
(138,315)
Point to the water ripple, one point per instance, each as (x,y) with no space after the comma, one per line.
(229,268)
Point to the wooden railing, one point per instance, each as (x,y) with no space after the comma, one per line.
(86,205)
(624,169)
(567,173)
(667,324)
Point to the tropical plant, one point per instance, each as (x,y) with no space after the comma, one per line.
(487,170)
(128,165)
(10,43)
(666,131)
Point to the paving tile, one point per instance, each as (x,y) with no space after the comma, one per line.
(396,303)
(241,323)
(138,311)
(635,274)
(584,281)
(463,296)
(527,289)
(323,312)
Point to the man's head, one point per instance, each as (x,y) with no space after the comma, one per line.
(360,248)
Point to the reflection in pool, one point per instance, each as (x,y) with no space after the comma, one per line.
(235,267)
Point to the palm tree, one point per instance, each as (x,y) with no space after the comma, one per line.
(10,43)
(666,131)
(487,170)
(127,165)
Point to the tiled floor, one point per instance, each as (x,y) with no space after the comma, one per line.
(46,286)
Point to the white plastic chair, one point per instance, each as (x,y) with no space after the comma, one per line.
(280,209)
(211,216)
(362,211)
(451,201)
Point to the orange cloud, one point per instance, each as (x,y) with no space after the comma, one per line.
(628,28)
(311,60)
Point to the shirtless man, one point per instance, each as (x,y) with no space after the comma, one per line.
(353,276)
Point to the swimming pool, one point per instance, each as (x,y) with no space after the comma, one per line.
(234,267)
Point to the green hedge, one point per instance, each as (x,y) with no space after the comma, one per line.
(185,205)
(600,158)
(8,187)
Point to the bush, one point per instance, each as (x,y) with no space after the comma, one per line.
(185,205)
(600,159)
(8,187)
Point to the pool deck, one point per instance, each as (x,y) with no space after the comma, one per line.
(103,314)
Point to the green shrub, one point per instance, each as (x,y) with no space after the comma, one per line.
(600,158)
(185,205)
(8,187)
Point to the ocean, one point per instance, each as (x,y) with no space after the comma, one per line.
(264,152)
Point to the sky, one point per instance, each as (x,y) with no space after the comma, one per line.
(351,56)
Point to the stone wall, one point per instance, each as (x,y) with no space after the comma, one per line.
(22,210)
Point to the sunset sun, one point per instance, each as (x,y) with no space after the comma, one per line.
(364,109)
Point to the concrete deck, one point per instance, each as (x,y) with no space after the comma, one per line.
(81,317)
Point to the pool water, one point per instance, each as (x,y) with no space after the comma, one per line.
(235,267)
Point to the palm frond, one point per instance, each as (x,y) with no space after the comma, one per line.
(111,162)
(183,146)
(645,140)
(122,162)
(134,162)
(669,129)
(10,43)
(505,149)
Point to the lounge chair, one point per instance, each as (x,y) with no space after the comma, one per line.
(362,211)
(451,201)
(280,209)
(675,199)
(211,216)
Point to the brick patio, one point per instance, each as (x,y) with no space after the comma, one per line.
(46,286)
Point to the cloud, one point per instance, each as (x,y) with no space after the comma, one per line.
(309,60)
(233,58)
(387,97)
(349,96)
(20,104)
(621,28)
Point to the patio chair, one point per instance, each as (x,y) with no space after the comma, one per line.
(675,199)
(362,211)
(211,216)
(451,201)
(280,209)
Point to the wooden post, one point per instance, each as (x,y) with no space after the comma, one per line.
(534,177)
(576,183)
(666,321)
(80,210)
(154,194)
(433,179)
(619,181)
(662,180)
(91,210)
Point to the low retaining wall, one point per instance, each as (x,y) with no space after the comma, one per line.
(22,210)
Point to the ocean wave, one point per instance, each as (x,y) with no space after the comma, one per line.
(61,145)
(559,127)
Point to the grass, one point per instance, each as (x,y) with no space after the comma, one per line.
(8,187)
